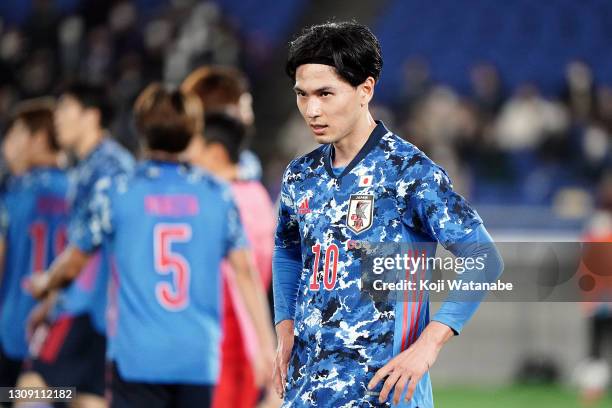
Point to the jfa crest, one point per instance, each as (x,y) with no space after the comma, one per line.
(361,210)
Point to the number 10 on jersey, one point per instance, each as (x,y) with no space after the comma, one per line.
(330,272)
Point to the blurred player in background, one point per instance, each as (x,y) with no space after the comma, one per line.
(593,375)
(364,183)
(168,227)
(73,352)
(218,151)
(33,222)
(226,89)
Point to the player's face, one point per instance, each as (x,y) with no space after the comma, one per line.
(68,117)
(15,147)
(330,106)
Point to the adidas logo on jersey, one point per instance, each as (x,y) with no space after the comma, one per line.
(303,208)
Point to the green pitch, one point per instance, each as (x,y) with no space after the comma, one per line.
(510,397)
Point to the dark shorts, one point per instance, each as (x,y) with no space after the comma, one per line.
(128,394)
(601,335)
(73,355)
(10,369)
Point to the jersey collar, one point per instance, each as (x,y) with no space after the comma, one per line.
(106,137)
(379,131)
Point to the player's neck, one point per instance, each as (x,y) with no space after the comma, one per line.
(347,148)
(43,160)
(216,161)
(46,159)
(224,170)
(89,142)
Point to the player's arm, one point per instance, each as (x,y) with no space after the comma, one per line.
(84,240)
(3,233)
(461,305)
(446,217)
(64,269)
(254,298)
(40,313)
(249,286)
(407,368)
(286,269)
(286,272)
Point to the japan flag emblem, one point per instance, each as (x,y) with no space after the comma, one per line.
(366,180)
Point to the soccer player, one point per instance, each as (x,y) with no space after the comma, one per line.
(218,151)
(593,375)
(73,353)
(33,222)
(226,90)
(168,227)
(336,345)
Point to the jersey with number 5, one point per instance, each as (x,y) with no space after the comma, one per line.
(168,227)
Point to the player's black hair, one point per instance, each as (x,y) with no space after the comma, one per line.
(226,130)
(91,97)
(351,48)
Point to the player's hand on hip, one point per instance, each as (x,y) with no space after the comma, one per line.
(284,337)
(408,367)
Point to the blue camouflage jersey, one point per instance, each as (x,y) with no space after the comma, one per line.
(167,228)
(35,217)
(390,192)
(88,293)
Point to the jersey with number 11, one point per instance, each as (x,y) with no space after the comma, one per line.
(168,227)
(36,212)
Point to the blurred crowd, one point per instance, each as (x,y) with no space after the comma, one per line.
(501,146)
(511,146)
(114,44)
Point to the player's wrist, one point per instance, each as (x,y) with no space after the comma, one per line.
(284,329)
(54,281)
(286,321)
(39,285)
(437,334)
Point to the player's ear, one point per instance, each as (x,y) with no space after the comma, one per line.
(217,151)
(40,140)
(367,90)
(195,149)
(93,114)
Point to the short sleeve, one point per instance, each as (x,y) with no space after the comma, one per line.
(99,225)
(287,230)
(435,209)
